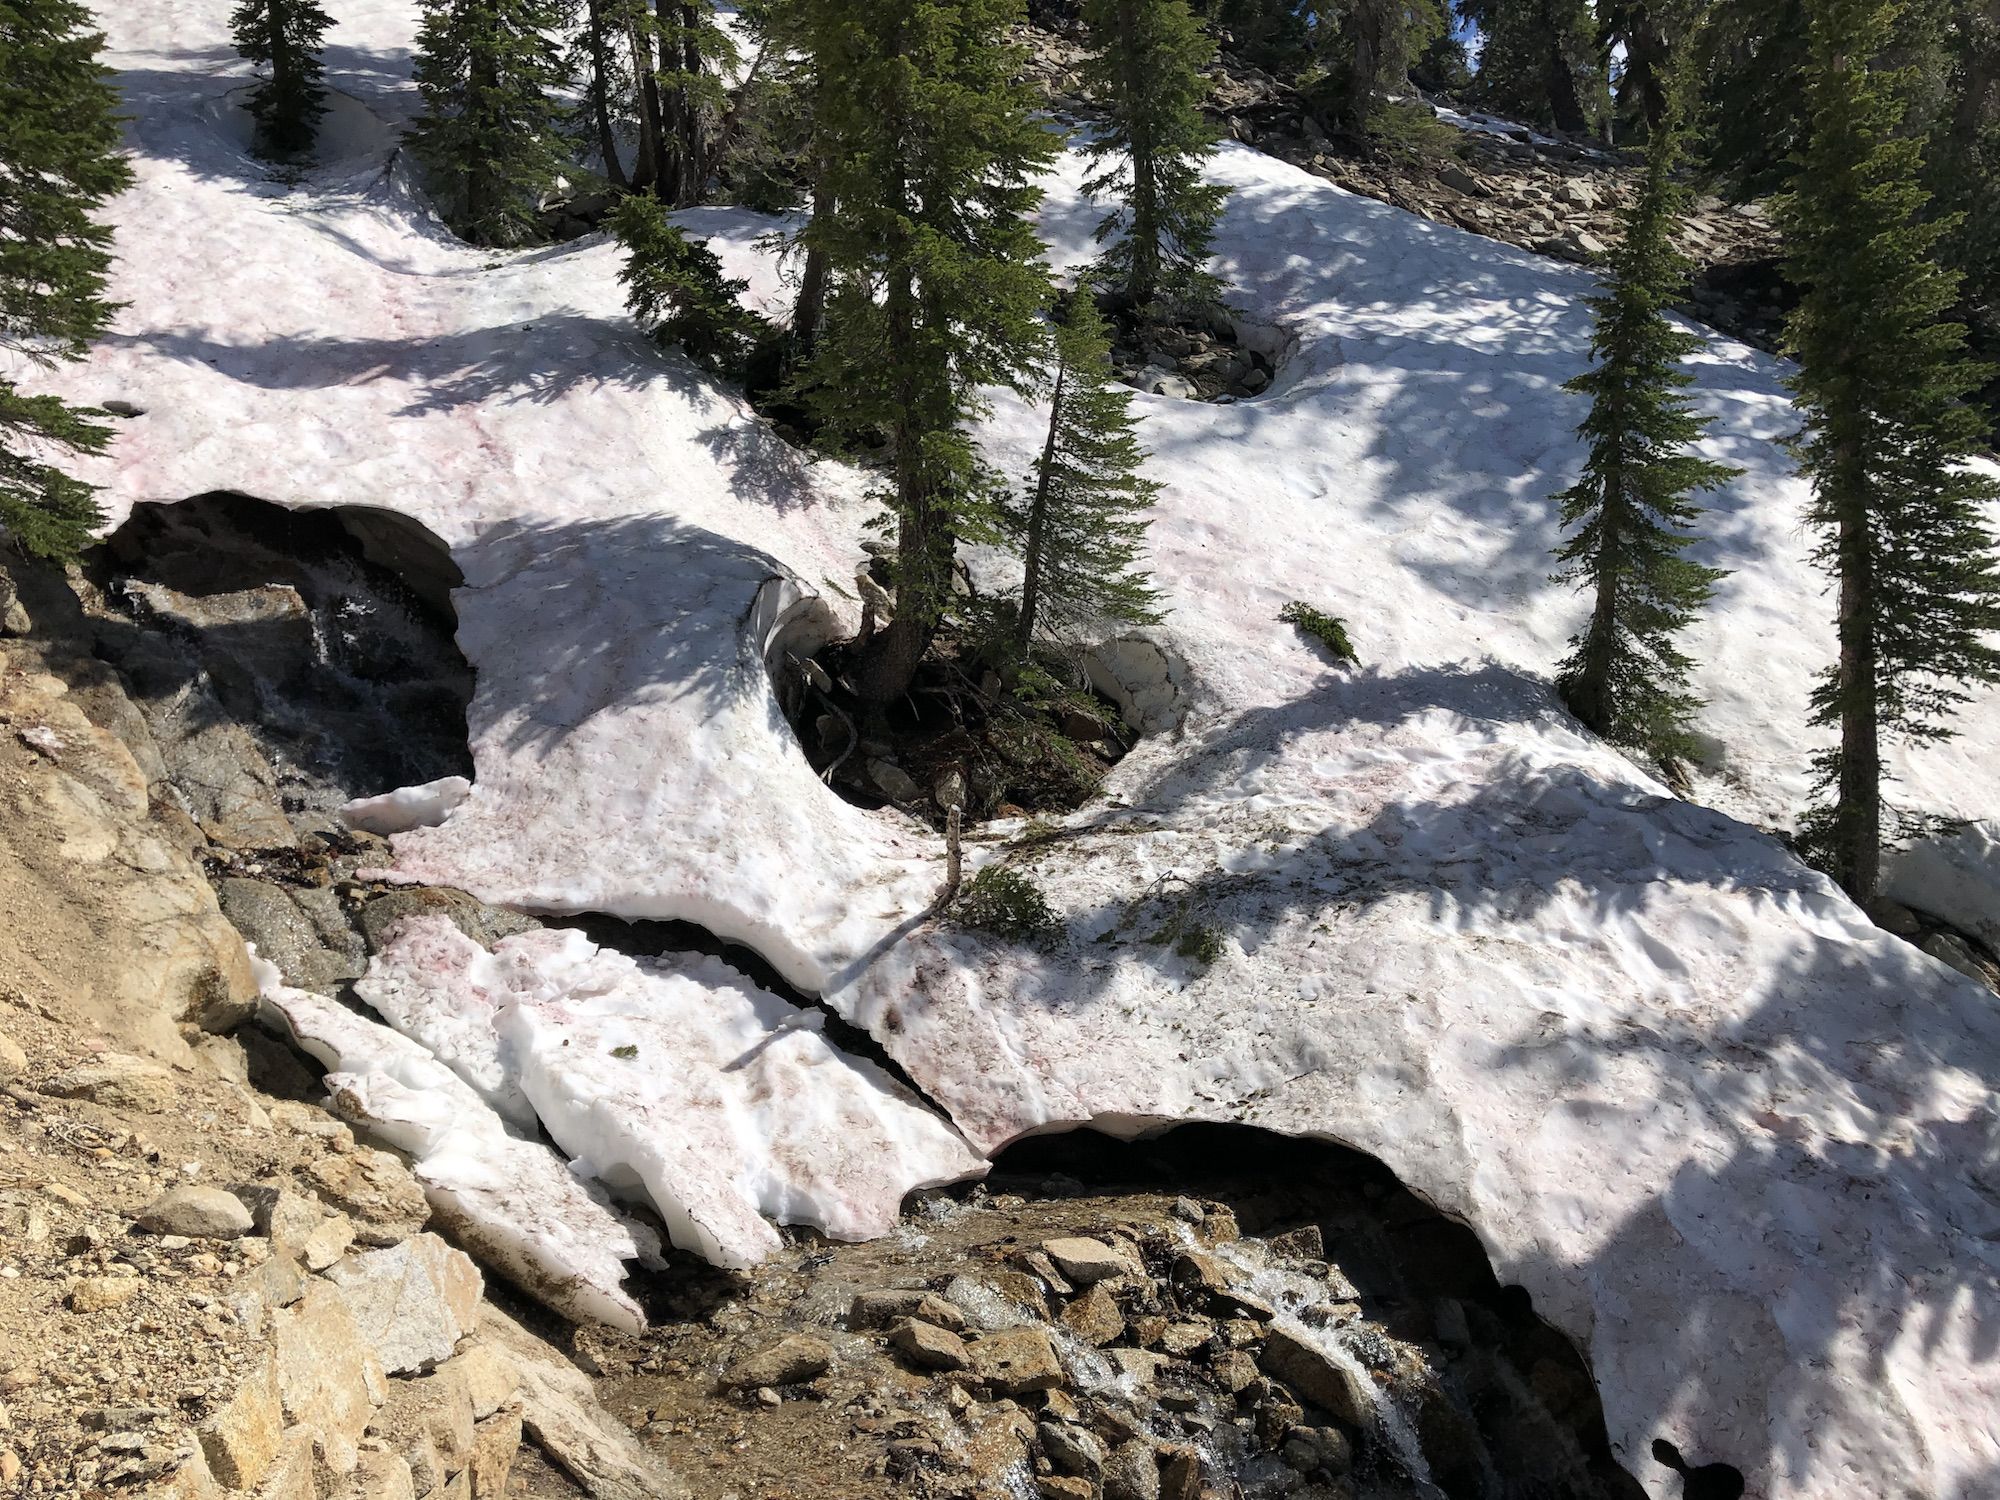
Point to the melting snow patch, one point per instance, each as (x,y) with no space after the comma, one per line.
(407,807)
(677,1077)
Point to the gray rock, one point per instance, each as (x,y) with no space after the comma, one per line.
(1948,948)
(484,924)
(1457,178)
(1319,1378)
(291,932)
(1087,1261)
(790,1361)
(893,781)
(1015,1361)
(1072,1450)
(198,1212)
(411,1302)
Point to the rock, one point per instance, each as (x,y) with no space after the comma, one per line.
(1578,193)
(1072,1450)
(91,1294)
(929,1347)
(790,1361)
(222,1057)
(1014,1361)
(1131,1472)
(1180,1474)
(893,782)
(1065,1487)
(484,924)
(381,1475)
(1182,1339)
(329,1377)
(1458,179)
(13,1061)
(1201,1275)
(1094,1317)
(428,1422)
(495,1441)
(1305,1243)
(284,931)
(118,1081)
(282,1214)
(879,1309)
(1086,1261)
(1332,1386)
(292,1476)
(205,1213)
(1894,917)
(1140,1366)
(492,1380)
(1949,948)
(279,1282)
(559,1411)
(1234,1371)
(240,1442)
(376,1190)
(1310,1449)
(327,1242)
(412,1302)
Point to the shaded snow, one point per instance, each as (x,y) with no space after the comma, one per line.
(1740,1145)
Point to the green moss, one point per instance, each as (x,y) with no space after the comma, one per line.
(628,1051)
(1329,630)
(1006,902)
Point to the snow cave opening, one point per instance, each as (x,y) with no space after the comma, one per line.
(286,661)
(1509,1407)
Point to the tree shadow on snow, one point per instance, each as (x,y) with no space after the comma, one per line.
(571,619)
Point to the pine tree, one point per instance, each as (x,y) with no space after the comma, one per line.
(930,145)
(1540,60)
(1375,43)
(284,36)
(1083,525)
(1145,69)
(600,55)
(1631,514)
(1881,380)
(488,71)
(676,289)
(695,52)
(59,143)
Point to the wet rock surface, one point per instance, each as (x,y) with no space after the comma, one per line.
(1299,1326)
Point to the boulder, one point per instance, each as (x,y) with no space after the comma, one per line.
(412,1302)
(118,1081)
(790,1361)
(1072,1450)
(240,1441)
(1014,1361)
(1086,1261)
(376,1190)
(1132,1472)
(206,1213)
(929,1347)
(1334,1386)
(1094,1317)
(329,1377)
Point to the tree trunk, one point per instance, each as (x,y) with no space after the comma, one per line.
(1565,104)
(1038,514)
(694,165)
(1590,693)
(646,101)
(480,200)
(1858,812)
(600,97)
(1142,281)
(809,312)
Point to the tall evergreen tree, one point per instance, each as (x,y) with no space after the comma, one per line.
(930,145)
(1631,514)
(285,37)
(1145,69)
(59,163)
(1881,380)
(600,56)
(1374,44)
(489,71)
(1083,524)
(1540,59)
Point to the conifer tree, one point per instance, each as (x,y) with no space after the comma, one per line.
(601,57)
(488,71)
(929,147)
(1632,512)
(676,289)
(1881,380)
(1145,69)
(1375,43)
(1540,59)
(1083,523)
(59,163)
(285,37)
